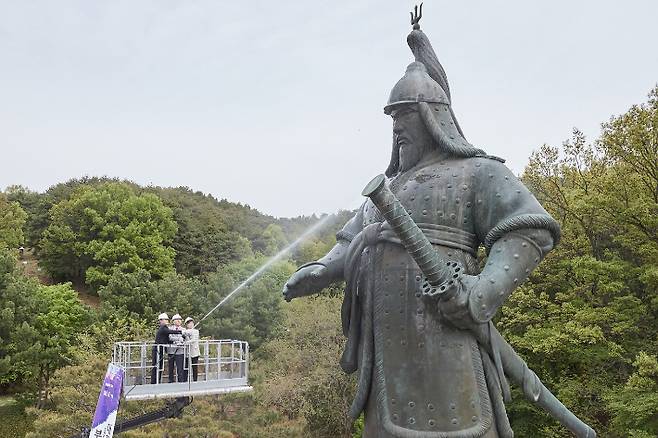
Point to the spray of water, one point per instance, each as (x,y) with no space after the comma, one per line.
(315,227)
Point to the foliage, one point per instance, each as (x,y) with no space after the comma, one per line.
(300,372)
(36,208)
(98,231)
(636,404)
(586,321)
(136,295)
(591,308)
(204,240)
(15,423)
(272,240)
(38,327)
(12,221)
(254,312)
(213,416)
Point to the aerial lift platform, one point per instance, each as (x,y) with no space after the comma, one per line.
(223,368)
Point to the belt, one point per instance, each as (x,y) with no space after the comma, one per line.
(438,235)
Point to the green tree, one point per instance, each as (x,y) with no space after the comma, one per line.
(38,327)
(272,239)
(108,228)
(12,221)
(36,206)
(590,310)
(135,295)
(128,293)
(636,405)
(204,240)
(254,313)
(299,369)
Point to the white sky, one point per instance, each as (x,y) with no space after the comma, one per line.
(278,104)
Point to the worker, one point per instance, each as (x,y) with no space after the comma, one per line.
(176,350)
(161,341)
(192,336)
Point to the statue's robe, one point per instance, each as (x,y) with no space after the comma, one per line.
(419,376)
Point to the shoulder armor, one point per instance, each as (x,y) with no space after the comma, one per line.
(491,157)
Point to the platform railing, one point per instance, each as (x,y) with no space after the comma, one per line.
(223,366)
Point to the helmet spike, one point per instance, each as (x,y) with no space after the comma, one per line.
(416,15)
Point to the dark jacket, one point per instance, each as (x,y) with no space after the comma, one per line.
(162,335)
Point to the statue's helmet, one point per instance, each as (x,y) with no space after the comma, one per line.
(415,86)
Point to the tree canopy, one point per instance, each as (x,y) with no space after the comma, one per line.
(109,228)
(12,221)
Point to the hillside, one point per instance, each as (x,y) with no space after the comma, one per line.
(586,320)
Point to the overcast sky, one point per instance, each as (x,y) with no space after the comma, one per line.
(278,104)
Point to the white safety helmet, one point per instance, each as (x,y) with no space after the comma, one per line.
(189,319)
(163,316)
(176,316)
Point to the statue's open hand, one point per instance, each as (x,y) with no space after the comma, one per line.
(455,309)
(307,280)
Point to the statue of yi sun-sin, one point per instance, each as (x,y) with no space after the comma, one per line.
(417,309)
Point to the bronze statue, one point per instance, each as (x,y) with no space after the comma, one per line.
(417,309)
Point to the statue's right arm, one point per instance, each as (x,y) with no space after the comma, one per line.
(312,277)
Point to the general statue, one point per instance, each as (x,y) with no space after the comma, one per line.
(418,309)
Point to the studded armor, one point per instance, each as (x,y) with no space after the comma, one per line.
(458,203)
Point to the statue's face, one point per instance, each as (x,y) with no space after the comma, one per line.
(410,136)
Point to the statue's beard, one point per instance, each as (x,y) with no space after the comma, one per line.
(409,155)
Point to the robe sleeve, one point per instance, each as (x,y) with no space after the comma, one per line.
(352,227)
(503,204)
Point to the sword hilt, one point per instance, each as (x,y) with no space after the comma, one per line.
(442,278)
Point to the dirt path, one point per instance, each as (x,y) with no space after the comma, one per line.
(29,265)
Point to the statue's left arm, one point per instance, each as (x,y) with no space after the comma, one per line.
(516,232)
(314,276)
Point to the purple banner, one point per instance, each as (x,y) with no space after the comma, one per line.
(108,403)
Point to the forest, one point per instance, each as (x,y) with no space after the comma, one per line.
(103,257)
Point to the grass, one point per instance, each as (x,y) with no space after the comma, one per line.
(15,423)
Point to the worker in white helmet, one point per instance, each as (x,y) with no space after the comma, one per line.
(192,336)
(176,350)
(161,340)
